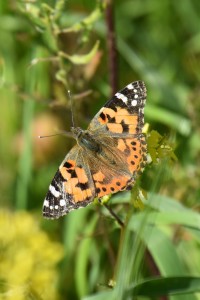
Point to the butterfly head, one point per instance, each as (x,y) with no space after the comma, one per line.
(76,132)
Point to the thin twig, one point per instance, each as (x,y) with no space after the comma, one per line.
(112,51)
(119,221)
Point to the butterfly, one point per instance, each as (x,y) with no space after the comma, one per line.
(107,156)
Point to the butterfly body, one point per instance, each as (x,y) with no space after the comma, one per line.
(107,157)
(85,140)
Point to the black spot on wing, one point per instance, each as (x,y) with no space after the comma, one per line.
(83,186)
(67,165)
(98,190)
(73,174)
(125,126)
(111,120)
(102,116)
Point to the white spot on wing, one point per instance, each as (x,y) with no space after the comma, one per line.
(54,192)
(122,97)
(62,202)
(136,96)
(56,206)
(46,203)
(134,102)
(51,207)
(130,86)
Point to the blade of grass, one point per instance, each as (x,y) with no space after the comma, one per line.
(165,286)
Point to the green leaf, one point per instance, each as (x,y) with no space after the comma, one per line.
(185,218)
(159,147)
(89,21)
(164,203)
(171,119)
(161,248)
(165,286)
(82,257)
(101,296)
(81,59)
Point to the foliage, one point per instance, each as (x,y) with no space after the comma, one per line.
(48,48)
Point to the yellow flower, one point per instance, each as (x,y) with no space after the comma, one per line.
(28,259)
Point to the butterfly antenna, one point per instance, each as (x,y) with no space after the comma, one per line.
(59,132)
(45,136)
(71,107)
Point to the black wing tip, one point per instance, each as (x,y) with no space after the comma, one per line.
(53,215)
(139,84)
(135,90)
(54,211)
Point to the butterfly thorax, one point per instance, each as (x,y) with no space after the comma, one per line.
(85,139)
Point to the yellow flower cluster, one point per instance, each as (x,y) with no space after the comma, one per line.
(27,259)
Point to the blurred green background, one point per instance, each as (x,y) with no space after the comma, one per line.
(47,48)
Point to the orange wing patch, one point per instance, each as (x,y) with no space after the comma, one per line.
(128,119)
(118,121)
(106,113)
(135,152)
(137,158)
(67,168)
(121,114)
(82,177)
(119,183)
(115,128)
(121,145)
(76,183)
(99,176)
(77,193)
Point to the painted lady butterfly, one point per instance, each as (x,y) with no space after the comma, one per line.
(107,157)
